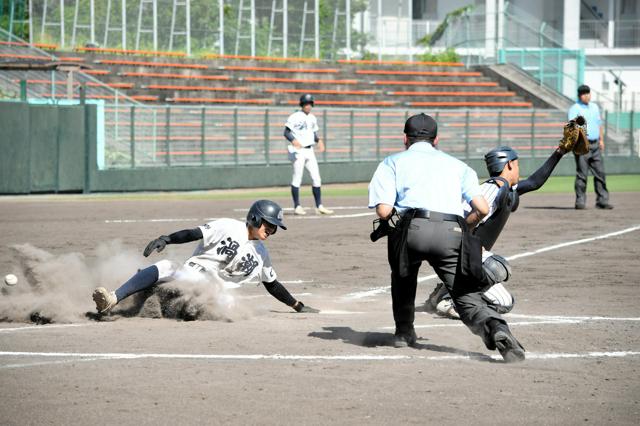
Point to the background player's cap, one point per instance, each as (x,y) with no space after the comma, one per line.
(307,99)
(421,125)
(498,157)
(265,210)
(583,89)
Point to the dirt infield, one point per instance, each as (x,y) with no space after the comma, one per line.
(577,313)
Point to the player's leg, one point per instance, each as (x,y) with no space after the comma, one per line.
(160,271)
(581,180)
(297,162)
(314,171)
(596,165)
(403,296)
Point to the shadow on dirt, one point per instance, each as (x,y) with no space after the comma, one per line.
(372,339)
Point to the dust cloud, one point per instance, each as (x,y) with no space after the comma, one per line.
(57,289)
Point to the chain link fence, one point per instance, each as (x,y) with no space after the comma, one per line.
(159,136)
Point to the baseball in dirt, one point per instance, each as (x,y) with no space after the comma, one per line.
(10,279)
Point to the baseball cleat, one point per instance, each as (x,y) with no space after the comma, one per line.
(508,346)
(299,210)
(436,295)
(404,340)
(323,210)
(445,308)
(105,299)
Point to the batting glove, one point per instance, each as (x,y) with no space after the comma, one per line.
(158,245)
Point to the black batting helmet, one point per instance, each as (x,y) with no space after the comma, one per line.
(497,158)
(265,210)
(306,99)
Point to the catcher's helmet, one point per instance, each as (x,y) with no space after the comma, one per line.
(497,158)
(265,210)
(306,99)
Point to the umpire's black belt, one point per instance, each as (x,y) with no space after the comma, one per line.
(435,216)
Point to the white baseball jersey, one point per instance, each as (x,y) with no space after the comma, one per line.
(302,127)
(226,251)
(490,193)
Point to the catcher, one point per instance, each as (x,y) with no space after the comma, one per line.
(502,191)
(229,251)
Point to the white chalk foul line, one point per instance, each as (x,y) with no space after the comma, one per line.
(41,327)
(278,357)
(380,290)
(572,243)
(572,318)
(209,219)
(331,207)
(517,323)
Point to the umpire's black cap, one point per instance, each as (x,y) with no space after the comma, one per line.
(421,126)
(583,89)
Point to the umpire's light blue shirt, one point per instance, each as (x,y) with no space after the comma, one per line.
(423,177)
(591,113)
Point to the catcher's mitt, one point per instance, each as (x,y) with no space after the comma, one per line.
(575,136)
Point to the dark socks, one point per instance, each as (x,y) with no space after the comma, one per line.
(295,194)
(316,195)
(144,279)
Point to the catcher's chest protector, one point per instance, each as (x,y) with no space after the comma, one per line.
(506,202)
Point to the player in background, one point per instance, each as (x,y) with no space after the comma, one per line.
(301,131)
(229,251)
(502,191)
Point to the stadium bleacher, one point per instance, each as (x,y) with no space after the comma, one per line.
(156,77)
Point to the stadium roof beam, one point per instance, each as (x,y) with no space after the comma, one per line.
(316,24)
(122,28)
(251,9)
(90,26)
(154,29)
(285,30)
(59,24)
(187,30)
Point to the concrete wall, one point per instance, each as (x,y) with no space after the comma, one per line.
(41,148)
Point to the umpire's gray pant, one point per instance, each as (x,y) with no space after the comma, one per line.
(438,242)
(591,161)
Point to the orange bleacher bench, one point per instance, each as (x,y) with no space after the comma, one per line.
(438,73)
(452,93)
(352,103)
(75,83)
(261,58)
(375,62)
(130,52)
(146,98)
(171,75)
(96,72)
(323,92)
(47,46)
(279,69)
(195,88)
(436,83)
(151,64)
(297,80)
(20,56)
(470,104)
(221,101)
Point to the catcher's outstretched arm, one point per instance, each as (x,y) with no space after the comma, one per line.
(540,176)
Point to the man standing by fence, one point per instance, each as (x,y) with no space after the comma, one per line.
(593,159)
